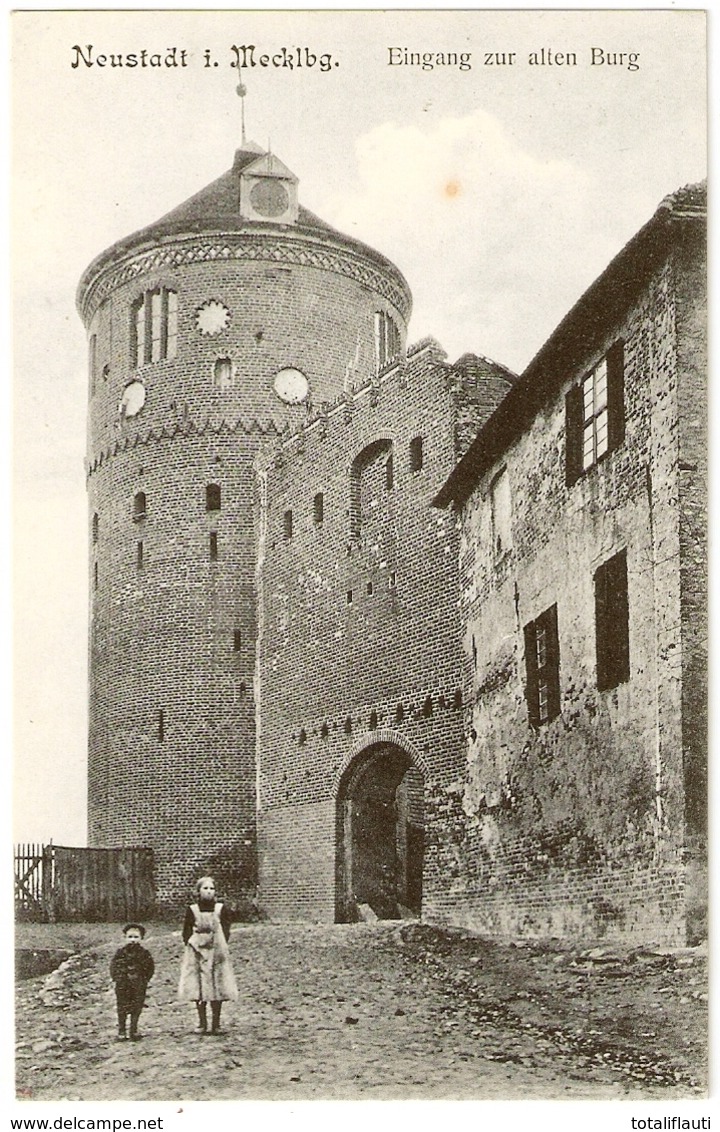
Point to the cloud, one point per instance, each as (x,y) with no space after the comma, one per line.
(495,242)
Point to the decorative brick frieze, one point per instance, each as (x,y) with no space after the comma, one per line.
(306,251)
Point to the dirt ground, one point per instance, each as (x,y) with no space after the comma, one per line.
(384,1011)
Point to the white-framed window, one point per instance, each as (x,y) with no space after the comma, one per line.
(387,340)
(595,414)
(154,326)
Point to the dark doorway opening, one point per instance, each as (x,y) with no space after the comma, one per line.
(380,836)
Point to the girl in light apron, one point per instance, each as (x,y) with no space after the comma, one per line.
(206,974)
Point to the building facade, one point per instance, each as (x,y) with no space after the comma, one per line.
(583,608)
(376,634)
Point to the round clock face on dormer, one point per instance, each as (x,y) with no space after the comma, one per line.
(269,197)
(212,317)
(132,400)
(291,386)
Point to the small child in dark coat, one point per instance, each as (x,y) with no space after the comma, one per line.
(131,970)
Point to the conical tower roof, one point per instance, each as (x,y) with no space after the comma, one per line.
(215,209)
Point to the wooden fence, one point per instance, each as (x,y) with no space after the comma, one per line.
(28,866)
(55,882)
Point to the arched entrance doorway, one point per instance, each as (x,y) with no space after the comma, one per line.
(380,835)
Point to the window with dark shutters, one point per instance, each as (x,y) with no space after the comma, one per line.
(542,667)
(612,635)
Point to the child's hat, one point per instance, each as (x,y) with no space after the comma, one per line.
(139,927)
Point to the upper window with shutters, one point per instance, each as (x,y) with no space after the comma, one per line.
(595,414)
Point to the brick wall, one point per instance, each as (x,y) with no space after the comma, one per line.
(359,639)
(172,640)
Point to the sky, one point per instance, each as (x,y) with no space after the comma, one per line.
(500,190)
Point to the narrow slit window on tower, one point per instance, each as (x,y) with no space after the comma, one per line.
(389,473)
(96,575)
(288,525)
(222,373)
(95,528)
(318,504)
(416,454)
(139,506)
(161,726)
(172,329)
(349,597)
(369,589)
(156,323)
(237,640)
(212,497)
(139,331)
(213,546)
(140,555)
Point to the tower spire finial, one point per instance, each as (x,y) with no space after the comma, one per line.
(242,91)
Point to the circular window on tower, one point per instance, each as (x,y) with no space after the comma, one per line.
(212,317)
(291,386)
(269,197)
(132,400)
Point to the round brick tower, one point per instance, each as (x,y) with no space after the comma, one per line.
(209,332)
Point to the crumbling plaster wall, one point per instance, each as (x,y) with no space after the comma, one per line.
(577,825)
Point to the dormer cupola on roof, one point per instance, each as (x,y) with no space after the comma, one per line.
(268,189)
